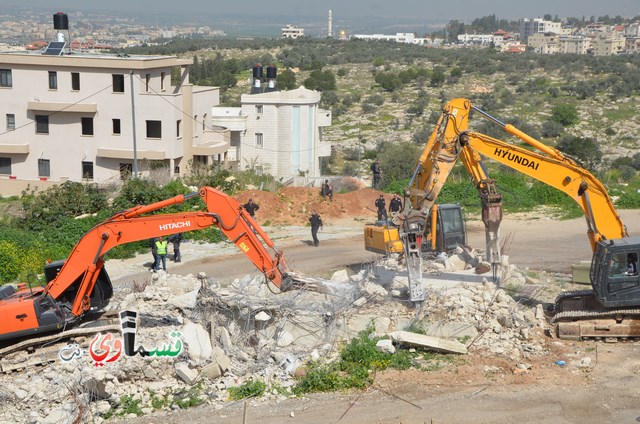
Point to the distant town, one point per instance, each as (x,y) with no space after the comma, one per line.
(32,30)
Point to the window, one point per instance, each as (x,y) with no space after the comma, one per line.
(44,168)
(116,126)
(11,122)
(126,170)
(75,81)
(178,123)
(5,166)
(154,129)
(87,126)
(5,78)
(259,142)
(53,80)
(147,81)
(87,170)
(162,74)
(118,83)
(42,124)
(258,109)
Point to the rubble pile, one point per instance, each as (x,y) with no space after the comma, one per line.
(229,335)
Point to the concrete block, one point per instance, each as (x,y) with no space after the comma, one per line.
(186,374)
(197,340)
(385,345)
(219,357)
(449,330)
(212,371)
(428,342)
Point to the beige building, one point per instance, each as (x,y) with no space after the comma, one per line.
(72,117)
(277,132)
(547,43)
(608,44)
(292,31)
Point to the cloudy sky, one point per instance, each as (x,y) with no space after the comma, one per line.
(412,9)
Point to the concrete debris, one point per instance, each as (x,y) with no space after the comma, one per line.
(428,342)
(243,331)
(385,345)
(186,374)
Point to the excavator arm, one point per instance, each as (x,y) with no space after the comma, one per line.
(35,310)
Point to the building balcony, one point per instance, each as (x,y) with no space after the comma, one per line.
(14,149)
(128,154)
(229,118)
(212,143)
(63,107)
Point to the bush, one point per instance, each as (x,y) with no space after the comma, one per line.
(565,114)
(250,388)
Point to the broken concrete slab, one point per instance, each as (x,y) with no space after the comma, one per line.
(428,342)
(448,330)
(197,340)
(185,373)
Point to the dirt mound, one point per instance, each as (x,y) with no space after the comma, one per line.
(291,205)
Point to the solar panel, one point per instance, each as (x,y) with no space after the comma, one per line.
(55,48)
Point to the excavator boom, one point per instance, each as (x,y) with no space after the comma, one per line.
(69,292)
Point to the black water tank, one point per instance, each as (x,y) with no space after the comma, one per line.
(257,72)
(61,21)
(271,72)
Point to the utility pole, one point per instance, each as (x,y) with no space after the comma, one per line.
(133,128)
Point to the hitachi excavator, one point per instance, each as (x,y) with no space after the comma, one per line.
(80,285)
(612,307)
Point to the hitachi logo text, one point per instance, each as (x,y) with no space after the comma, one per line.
(512,157)
(175,225)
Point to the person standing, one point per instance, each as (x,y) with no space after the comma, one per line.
(154,252)
(381,206)
(395,204)
(161,250)
(176,239)
(316,224)
(327,190)
(251,207)
(377,173)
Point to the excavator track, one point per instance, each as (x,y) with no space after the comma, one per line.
(579,315)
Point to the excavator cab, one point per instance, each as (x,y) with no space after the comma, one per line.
(614,272)
(450,229)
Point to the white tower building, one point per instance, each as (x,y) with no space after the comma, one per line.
(330,31)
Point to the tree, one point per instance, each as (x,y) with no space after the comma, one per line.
(585,149)
(321,81)
(286,80)
(398,161)
(565,114)
(437,77)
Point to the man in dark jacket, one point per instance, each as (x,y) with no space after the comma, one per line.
(395,204)
(251,207)
(377,173)
(154,252)
(381,205)
(326,190)
(176,239)
(316,223)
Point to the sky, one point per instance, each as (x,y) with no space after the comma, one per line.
(463,10)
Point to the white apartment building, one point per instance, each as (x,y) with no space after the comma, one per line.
(99,118)
(529,27)
(575,44)
(399,37)
(292,31)
(277,132)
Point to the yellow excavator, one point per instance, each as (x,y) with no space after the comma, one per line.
(612,307)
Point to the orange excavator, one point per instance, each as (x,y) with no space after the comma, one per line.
(80,285)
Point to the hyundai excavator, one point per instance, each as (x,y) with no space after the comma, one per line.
(80,286)
(612,307)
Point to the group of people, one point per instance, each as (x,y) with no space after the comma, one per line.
(159,245)
(159,250)
(395,205)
